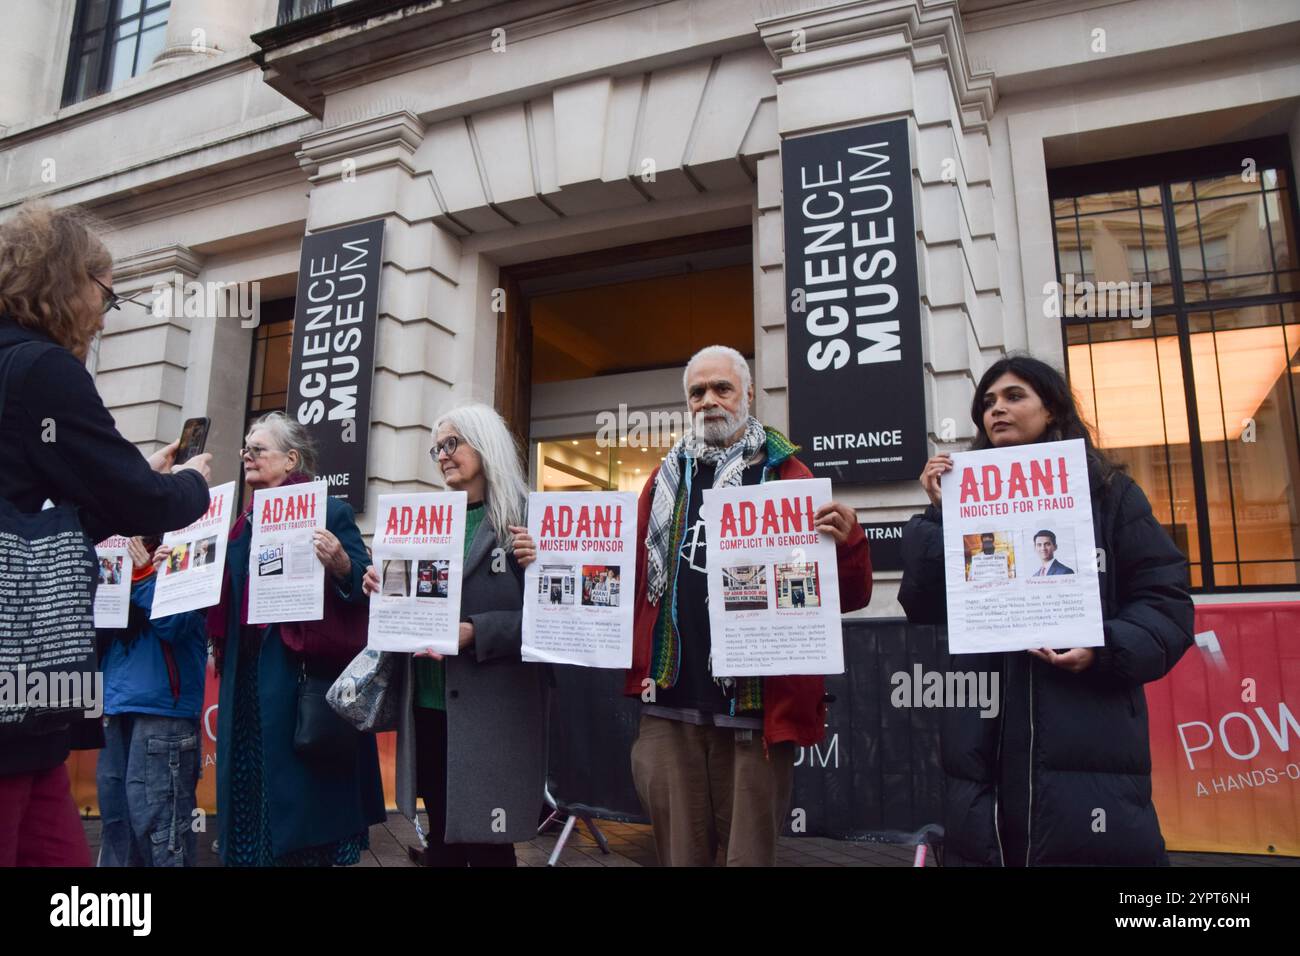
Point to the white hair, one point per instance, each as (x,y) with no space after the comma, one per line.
(718,351)
(290,435)
(507,491)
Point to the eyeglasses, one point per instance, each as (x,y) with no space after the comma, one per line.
(114,301)
(253,451)
(447,446)
(111,299)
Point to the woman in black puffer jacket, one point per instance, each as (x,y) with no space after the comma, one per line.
(1062,774)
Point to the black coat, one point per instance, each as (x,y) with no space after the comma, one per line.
(59,442)
(1063,745)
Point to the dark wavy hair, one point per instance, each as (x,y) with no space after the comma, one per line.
(1057,397)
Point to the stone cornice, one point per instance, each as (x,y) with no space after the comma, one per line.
(388,138)
(163,260)
(316,66)
(185,184)
(913,25)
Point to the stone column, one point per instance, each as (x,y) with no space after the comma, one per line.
(144,355)
(366,169)
(852,62)
(207,28)
(34,39)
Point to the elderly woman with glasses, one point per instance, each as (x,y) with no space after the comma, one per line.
(277,807)
(471,739)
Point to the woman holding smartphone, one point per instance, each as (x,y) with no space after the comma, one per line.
(1062,774)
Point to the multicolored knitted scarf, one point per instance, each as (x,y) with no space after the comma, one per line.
(666,653)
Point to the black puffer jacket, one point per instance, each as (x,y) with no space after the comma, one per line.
(1064,745)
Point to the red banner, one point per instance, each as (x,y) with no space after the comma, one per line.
(1225,734)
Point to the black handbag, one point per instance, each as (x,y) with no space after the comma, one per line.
(319,734)
(47,596)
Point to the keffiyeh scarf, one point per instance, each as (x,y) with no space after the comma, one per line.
(667,527)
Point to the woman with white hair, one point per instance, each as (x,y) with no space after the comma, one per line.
(471,738)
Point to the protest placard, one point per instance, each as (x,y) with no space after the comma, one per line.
(286,581)
(113,593)
(1019,554)
(578,593)
(418,551)
(190,578)
(774,590)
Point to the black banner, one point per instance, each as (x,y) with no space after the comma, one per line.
(853,329)
(875,775)
(333,358)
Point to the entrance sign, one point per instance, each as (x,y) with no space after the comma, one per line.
(853,319)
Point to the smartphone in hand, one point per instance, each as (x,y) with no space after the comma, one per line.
(194,437)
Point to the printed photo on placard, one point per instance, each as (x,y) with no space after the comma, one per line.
(110,570)
(599,585)
(179,559)
(990,556)
(270,560)
(431,579)
(205,553)
(1053,554)
(796,585)
(395,578)
(744,587)
(555,584)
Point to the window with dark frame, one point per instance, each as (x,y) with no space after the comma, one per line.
(112,41)
(1198,398)
(268,366)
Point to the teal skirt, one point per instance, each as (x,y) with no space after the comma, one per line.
(248,832)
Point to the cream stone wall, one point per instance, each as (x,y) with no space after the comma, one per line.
(594,125)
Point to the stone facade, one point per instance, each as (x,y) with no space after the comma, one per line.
(488,134)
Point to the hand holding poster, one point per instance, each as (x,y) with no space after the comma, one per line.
(578,593)
(774,589)
(190,579)
(1020,558)
(286,581)
(113,594)
(419,551)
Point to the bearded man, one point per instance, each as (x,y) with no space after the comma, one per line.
(714,758)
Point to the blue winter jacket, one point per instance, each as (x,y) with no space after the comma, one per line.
(135,676)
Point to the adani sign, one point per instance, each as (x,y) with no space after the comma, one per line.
(853,329)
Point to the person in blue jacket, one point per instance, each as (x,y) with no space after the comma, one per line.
(154,673)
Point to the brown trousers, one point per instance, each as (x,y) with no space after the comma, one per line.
(704,789)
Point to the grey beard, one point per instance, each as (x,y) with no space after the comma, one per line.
(717,432)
